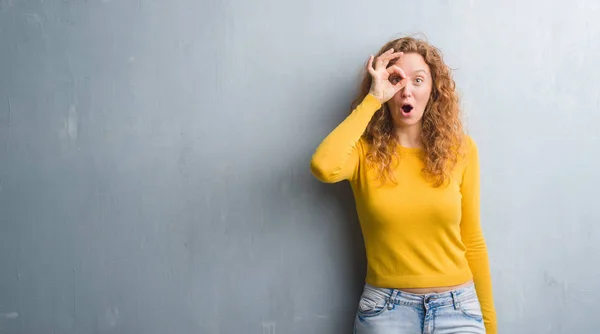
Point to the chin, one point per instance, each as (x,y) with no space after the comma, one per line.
(401,120)
(407,122)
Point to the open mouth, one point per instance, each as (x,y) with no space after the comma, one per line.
(407,108)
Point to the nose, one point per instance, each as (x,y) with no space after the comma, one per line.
(406,91)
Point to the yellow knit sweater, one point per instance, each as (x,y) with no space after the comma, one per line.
(416,236)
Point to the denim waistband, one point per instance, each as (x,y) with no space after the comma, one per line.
(396,296)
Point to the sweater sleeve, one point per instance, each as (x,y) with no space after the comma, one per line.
(337,157)
(472,237)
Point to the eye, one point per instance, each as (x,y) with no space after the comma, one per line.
(419,80)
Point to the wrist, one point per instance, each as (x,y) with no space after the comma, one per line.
(377,97)
(372,100)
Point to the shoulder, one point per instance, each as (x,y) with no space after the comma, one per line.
(469,145)
(468,153)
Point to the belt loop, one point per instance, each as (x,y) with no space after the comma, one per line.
(455,300)
(392,299)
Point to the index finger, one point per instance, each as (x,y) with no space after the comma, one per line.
(396,69)
(385,59)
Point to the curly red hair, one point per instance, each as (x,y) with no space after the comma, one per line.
(442,134)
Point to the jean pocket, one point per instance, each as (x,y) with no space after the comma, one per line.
(471,309)
(372,304)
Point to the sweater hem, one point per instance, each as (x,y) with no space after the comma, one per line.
(421,281)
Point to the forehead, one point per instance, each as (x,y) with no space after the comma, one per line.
(412,62)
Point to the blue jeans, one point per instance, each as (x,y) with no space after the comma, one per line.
(387,311)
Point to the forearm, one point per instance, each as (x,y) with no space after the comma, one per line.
(477,257)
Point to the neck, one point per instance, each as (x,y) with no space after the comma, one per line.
(409,136)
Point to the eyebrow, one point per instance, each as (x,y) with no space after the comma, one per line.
(421,70)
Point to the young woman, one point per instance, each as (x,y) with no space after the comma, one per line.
(415,178)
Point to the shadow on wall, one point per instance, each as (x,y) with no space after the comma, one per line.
(329,209)
(346,220)
(334,203)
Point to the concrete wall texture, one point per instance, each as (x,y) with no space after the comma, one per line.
(154,160)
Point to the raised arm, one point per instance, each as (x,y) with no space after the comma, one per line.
(336,158)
